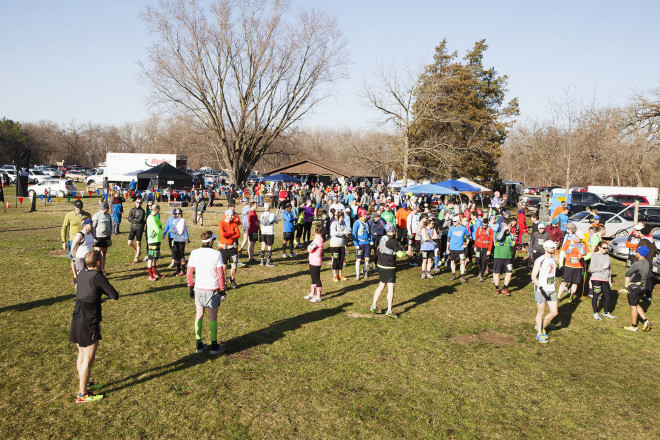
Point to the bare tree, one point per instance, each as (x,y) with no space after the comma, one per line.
(241,71)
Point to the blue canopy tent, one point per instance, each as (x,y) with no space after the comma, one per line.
(280,178)
(429,188)
(458,185)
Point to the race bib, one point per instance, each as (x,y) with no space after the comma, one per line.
(360,252)
(462,256)
(336,256)
(509,267)
(575,260)
(477,254)
(551,281)
(597,289)
(540,242)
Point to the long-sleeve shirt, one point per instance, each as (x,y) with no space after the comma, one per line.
(600,267)
(91,285)
(102,224)
(169,231)
(179,227)
(315,250)
(484,238)
(137,217)
(338,233)
(638,272)
(154,229)
(228,233)
(361,233)
(289,221)
(73,224)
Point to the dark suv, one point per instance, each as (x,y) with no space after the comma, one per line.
(583,199)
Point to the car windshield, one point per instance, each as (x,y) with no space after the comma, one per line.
(39,173)
(580,216)
(656,235)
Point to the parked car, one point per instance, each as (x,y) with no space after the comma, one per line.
(36,176)
(616,224)
(531,190)
(581,200)
(56,188)
(652,212)
(626,199)
(11,174)
(532,202)
(78,176)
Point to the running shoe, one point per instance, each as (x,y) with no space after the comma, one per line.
(463,280)
(171,266)
(73,283)
(315,300)
(145,258)
(375,309)
(429,276)
(308,297)
(453,277)
(88,398)
(151,278)
(630,328)
(423,275)
(366,274)
(545,334)
(269,264)
(335,279)
(201,347)
(135,260)
(343,278)
(240,264)
(216,348)
(609,315)
(180,274)
(647,326)
(497,291)
(506,292)
(541,339)
(481,279)
(292,255)
(436,269)
(391,314)
(357,277)
(285,256)
(559,297)
(413,264)
(233,284)
(94,386)
(597,317)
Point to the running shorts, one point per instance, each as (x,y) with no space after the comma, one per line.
(572,275)
(502,265)
(178,250)
(209,299)
(268,239)
(153,251)
(634,294)
(136,233)
(548,297)
(253,237)
(386,275)
(84,334)
(457,255)
(288,236)
(362,251)
(103,242)
(229,255)
(315,272)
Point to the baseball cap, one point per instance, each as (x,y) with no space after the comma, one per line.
(541,225)
(229,212)
(374,215)
(643,251)
(88,221)
(103,205)
(210,239)
(78,204)
(549,244)
(389,227)
(456,219)
(555,221)
(506,212)
(404,205)
(639,227)
(179,211)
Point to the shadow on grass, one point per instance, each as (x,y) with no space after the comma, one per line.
(38,303)
(565,313)
(421,298)
(268,335)
(274,279)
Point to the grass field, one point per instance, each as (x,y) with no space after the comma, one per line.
(459,363)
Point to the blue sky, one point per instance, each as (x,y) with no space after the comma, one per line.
(72,60)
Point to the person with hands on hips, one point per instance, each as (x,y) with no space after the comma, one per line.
(543,278)
(207,289)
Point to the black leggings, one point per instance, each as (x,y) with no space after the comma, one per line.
(482,259)
(178,250)
(307,229)
(338,256)
(315,272)
(599,286)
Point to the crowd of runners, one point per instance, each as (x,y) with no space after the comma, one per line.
(431,235)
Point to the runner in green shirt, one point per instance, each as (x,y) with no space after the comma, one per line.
(503,259)
(388,216)
(154,238)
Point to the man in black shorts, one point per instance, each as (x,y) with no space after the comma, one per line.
(138,219)
(85,323)
(635,282)
(388,249)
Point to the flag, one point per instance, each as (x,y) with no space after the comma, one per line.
(59,200)
(22,172)
(41,196)
(20,199)
(68,198)
(48,198)
(78,197)
(98,192)
(90,193)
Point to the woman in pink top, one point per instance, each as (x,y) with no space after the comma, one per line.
(315,250)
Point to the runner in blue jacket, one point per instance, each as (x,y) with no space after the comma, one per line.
(362,240)
(288,228)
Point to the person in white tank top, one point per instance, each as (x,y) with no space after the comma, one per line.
(82,243)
